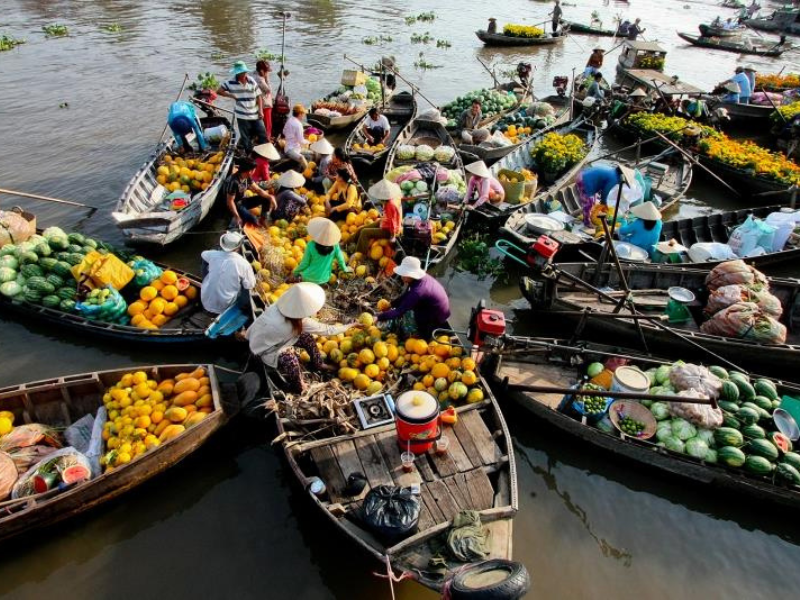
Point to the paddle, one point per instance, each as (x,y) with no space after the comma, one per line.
(92,209)
(394,71)
(489,71)
(775,108)
(183,87)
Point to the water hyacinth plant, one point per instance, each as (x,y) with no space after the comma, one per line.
(55,30)
(7,42)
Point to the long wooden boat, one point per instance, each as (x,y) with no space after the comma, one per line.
(521,159)
(400,110)
(649,284)
(731,46)
(754,114)
(669,172)
(478,473)
(142,211)
(61,401)
(583,29)
(720,32)
(557,364)
(498,39)
(786,20)
(434,134)
(329,123)
(561,104)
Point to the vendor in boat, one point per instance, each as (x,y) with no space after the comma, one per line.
(638,100)
(595,62)
(339,160)
(425,302)
(556,15)
(262,154)
(263,69)
(599,180)
(321,252)
(596,89)
(492,28)
(248,108)
(293,134)
(469,122)
(342,198)
(287,327)
(323,153)
(183,120)
(288,202)
(645,230)
(634,29)
(482,186)
(743,90)
(228,274)
(391,224)
(239,204)
(376,127)
(750,73)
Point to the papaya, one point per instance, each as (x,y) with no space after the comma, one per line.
(188,384)
(190,408)
(206,410)
(161,427)
(204,381)
(170,432)
(184,398)
(204,389)
(194,418)
(165,387)
(182,376)
(204,401)
(176,414)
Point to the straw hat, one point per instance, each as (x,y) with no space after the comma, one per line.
(385,190)
(750,68)
(600,49)
(646,211)
(628,174)
(291,179)
(670,247)
(267,151)
(230,241)
(478,168)
(239,67)
(410,267)
(299,108)
(638,93)
(324,231)
(322,146)
(301,300)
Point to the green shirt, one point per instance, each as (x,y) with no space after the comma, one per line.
(315,267)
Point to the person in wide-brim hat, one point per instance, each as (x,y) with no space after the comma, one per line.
(248,108)
(391,223)
(321,252)
(288,326)
(323,154)
(228,275)
(263,153)
(645,230)
(482,186)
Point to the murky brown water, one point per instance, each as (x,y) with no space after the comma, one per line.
(228,522)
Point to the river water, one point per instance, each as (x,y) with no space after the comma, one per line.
(228,522)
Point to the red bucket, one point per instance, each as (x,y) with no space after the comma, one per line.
(417,421)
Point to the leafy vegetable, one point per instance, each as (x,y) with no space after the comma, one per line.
(473,257)
(682,429)
(696,447)
(205,81)
(660,411)
(675,444)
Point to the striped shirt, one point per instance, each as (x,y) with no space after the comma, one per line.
(246,98)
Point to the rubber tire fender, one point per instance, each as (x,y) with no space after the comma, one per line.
(515,585)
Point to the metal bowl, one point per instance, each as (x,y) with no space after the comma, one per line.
(630,252)
(542,224)
(786,424)
(681,294)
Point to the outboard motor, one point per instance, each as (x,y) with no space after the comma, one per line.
(560,83)
(541,253)
(524,73)
(484,322)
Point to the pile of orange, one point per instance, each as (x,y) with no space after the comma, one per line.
(160,301)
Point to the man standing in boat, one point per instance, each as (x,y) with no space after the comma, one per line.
(557,14)
(249,107)
(635,29)
(183,120)
(595,62)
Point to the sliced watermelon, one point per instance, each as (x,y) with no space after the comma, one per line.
(75,474)
(783,443)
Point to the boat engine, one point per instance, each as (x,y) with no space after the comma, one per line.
(484,322)
(541,253)
(560,84)
(524,73)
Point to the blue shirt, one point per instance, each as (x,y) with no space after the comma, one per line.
(745,91)
(182,118)
(635,233)
(600,178)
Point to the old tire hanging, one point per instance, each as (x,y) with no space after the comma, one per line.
(514,581)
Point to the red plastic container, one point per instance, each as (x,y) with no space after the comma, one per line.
(417,421)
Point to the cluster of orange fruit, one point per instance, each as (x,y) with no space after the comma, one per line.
(160,301)
(189,175)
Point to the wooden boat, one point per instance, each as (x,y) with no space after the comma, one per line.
(731,46)
(669,172)
(720,32)
(556,364)
(400,110)
(582,29)
(434,134)
(59,402)
(142,211)
(329,123)
(472,152)
(754,114)
(783,20)
(642,64)
(478,473)
(521,159)
(498,39)
(649,284)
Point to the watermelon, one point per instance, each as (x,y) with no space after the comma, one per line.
(67,293)
(748,415)
(763,403)
(7,274)
(764,387)
(75,248)
(9,261)
(40,284)
(753,432)
(75,258)
(26,258)
(76,238)
(75,474)
(55,281)
(62,269)
(719,371)
(67,305)
(730,391)
(782,443)
(51,301)
(8,249)
(763,448)
(728,406)
(731,421)
(733,457)
(58,243)
(33,296)
(9,289)
(746,391)
(89,242)
(788,472)
(739,375)
(758,465)
(42,249)
(31,271)
(792,458)
(727,436)
(47,263)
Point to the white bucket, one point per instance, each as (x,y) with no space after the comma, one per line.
(629,379)
(215,134)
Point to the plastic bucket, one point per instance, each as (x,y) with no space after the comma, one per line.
(417,421)
(629,379)
(215,134)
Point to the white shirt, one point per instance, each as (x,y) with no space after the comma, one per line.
(293,132)
(271,333)
(228,273)
(381,122)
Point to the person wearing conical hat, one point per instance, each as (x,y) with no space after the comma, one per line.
(289,202)
(288,326)
(239,204)
(262,154)
(249,107)
(645,230)
(321,252)
(391,225)
(482,186)
(599,179)
(228,274)
(323,152)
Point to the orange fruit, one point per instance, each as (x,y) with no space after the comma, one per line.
(181,301)
(158,284)
(157,306)
(137,308)
(171,308)
(170,292)
(160,320)
(191,292)
(148,293)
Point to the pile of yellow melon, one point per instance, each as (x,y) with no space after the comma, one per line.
(517,134)
(441,232)
(187,174)
(160,301)
(144,412)
(372,149)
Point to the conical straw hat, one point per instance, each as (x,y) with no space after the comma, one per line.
(301,300)
(322,146)
(324,231)
(646,211)
(291,179)
(478,168)
(385,190)
(268,151)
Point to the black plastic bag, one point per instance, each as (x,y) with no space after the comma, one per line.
(390,512)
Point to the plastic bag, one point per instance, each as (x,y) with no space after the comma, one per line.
(753,232)
(735,271)
(27,435)
(55,464)
(784,223)
(79,433)
(110,307)
(745,320)
(695,377)
(14,228)
(391,512)
(145,271)
(725,296)
(710,252)
(701,415)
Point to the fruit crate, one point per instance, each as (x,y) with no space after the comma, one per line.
(353,78)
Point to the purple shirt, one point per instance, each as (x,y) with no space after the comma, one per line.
(428,299)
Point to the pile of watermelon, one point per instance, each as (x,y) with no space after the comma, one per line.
(38,270)
(492,103)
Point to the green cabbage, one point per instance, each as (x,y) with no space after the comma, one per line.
(711,456)
(662,433)
(662,374)
(696,447)
(707,436)
(660,411)
(682,429)
(674,444)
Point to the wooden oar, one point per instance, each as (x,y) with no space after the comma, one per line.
(489,71)
(92,209)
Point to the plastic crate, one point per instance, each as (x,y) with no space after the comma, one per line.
(353,78)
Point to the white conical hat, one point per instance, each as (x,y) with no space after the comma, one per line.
(478,168)
(291,179)
(324,231)
(301,300)
(230,240)
(647,211)
(385,190)
(268,151)
(322,146)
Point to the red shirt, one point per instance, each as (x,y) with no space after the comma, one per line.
(262,170)
(392,220)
